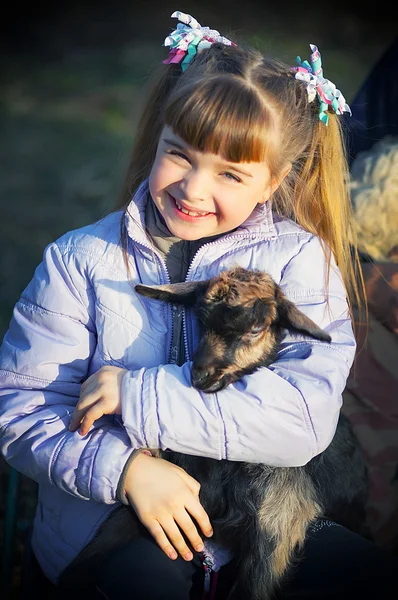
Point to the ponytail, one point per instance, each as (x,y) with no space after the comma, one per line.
(322,205)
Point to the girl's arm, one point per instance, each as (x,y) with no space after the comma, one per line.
(44,359)
(282,415)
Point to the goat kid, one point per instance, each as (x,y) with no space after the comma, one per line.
(260,513)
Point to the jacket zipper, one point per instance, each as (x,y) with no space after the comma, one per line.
(208,568)
(171,308)
(187,278)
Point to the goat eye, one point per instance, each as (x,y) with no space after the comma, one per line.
(256,331)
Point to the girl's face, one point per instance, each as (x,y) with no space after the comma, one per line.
(200,194)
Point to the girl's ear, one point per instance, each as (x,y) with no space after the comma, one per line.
(185,293)
(275,183)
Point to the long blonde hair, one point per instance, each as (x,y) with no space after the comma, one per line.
(250,107)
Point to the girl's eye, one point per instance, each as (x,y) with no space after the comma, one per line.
(178,154)
(232,177)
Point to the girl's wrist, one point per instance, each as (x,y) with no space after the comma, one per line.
(121,491)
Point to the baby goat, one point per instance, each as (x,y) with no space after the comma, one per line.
(260,513)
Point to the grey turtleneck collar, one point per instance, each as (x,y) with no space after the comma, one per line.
(177,253)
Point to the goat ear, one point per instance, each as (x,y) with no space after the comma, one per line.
(186,292)
(294,320)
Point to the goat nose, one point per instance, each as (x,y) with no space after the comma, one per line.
(199,375)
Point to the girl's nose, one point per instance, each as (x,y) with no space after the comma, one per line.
(195,185)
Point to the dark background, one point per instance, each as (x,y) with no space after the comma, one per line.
(72,76)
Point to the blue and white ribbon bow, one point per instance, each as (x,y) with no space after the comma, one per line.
(328,95)
(189,38)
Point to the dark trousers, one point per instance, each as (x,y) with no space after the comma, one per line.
(336,564)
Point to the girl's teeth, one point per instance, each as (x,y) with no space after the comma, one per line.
(190,212)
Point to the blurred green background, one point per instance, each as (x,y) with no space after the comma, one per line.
(72,78)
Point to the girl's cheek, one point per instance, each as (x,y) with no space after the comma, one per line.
(157,176)
(172,173)
(163,169)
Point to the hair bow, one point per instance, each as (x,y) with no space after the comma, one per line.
(189,38)
(317,85)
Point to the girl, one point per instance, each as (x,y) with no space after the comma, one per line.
(238,160)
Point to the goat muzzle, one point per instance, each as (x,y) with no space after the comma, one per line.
(206,379)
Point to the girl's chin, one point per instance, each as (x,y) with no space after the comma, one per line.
(188,234)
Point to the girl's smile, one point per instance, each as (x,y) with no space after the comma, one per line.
(187,214)
(200,194)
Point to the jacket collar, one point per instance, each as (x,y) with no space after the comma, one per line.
(260,223)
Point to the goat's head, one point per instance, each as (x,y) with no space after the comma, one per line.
(243,314)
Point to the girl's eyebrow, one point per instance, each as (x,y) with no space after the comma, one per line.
(232,167)
(223,164)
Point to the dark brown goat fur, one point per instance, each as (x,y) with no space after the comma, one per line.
(261,513)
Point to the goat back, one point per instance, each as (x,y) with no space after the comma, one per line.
(340,476)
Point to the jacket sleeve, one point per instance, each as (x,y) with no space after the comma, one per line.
(282,415)
(44,358)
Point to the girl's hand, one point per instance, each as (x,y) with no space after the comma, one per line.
(165,498)
(100,395)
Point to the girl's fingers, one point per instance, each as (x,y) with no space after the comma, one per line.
(196,510)
(192,484)
(86,384)
(184,522)
(92,414)
(75,420)
(87,390)
(156,530)
(175,537)
(82,408)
